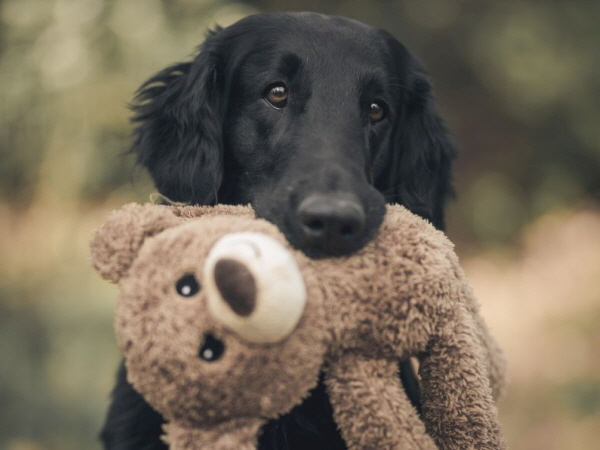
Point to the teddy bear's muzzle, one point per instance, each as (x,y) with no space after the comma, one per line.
(254,287)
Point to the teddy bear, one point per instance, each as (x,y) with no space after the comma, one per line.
(224,326)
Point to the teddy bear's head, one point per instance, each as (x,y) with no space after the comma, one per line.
(214,324)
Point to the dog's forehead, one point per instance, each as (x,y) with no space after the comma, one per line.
(306,35)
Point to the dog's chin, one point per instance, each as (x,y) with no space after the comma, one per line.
(320,252)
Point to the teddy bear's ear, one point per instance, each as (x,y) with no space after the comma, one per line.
(116,243)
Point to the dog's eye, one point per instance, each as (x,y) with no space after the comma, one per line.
(376,112)
(187,285)
(277,95)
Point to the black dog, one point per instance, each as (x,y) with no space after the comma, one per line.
(316,121)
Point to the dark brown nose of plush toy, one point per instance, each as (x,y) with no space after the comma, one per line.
(236,285)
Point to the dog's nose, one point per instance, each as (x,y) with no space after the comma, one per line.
(331,222)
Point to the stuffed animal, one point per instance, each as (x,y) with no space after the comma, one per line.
(223,326)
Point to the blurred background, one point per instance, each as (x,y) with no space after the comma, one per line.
(518,82)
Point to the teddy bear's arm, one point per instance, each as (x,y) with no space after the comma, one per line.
(458,408)
(496,362)
(371,408)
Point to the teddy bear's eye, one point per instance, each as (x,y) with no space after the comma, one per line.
(187,285)
(212,348)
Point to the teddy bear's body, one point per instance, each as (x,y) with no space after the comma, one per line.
(218,344)
(404,295)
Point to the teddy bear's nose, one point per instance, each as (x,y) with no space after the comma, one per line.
(236,285)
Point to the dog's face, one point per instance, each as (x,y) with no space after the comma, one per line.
(315,120)
(302,127)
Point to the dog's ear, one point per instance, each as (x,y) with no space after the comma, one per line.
(178,115)
(417,171)
(116,244)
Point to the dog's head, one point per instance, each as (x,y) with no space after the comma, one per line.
(315,120)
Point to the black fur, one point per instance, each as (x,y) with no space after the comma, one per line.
(206,134)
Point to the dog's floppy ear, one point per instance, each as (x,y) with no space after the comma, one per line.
(116,243)
(179,114)
(418,170)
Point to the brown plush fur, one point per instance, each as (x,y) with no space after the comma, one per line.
(403,295)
